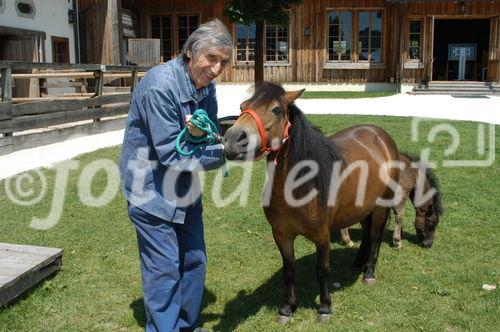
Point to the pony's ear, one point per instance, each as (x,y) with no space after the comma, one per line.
(290,96)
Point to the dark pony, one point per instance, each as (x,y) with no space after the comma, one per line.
(356,159)
(427,212)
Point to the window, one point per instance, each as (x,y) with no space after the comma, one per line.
(354,36)
(370,36)
(339,36)
(415,40)
(60,50)
(25,8)
(163,28)
(276,43)
(245,42)
(186,24)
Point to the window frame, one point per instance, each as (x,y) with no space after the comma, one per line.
(288,39)
(174,16)
(351,53)
(250,63)
(59,40)
(414,63)
(176,30)
(355,63)
(235,48)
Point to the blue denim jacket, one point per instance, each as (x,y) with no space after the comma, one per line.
(156,178)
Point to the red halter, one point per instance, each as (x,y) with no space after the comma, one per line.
(263,136)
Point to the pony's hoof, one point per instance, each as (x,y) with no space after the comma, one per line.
(324,317)
(398,245)
(369,280)
(282,319)
(350,244)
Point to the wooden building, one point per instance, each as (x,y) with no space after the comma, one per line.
(327,41)
(37,31)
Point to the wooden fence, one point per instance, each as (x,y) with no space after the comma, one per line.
(26,122)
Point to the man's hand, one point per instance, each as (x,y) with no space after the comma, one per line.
(193,130)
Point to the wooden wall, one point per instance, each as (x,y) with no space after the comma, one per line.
(101,31)
(494,56)
(430,11)
(23,46)
(308,53)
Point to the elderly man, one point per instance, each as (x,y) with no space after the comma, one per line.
(162,187)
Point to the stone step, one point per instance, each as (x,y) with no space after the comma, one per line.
(450,86)
(459,88)
(454,93)
(455,89)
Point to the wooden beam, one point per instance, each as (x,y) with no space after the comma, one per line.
(72,75)
(6,145)
(39,138)
(54,75)
(20,32)
(6,83)
(111,51)
(22,267)
(6,127)
(5,110)
(67,66)
(53,119)
(52,106)
(99,83)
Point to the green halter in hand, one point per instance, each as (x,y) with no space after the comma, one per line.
(202,121)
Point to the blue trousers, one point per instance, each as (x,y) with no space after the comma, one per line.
(173,265)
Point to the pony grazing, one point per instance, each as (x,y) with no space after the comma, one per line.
(315,183)
(412,178)
(427,210)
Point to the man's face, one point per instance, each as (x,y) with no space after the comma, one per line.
(208,64)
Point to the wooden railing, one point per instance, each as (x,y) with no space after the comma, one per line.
(26,122)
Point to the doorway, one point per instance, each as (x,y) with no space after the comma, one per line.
(461,49)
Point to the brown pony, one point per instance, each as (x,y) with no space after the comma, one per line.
(307,167)
(414,176)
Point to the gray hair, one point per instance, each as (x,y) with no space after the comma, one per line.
(211,34)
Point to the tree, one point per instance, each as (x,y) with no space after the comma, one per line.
(247,12)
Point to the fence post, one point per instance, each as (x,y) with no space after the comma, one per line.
(134,79)
(99,83)
(6,86)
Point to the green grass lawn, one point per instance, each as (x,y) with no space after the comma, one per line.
(433,289)
(345,94)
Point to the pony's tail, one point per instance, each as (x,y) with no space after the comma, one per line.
(433,181)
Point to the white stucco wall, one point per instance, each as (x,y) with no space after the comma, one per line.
(51,17)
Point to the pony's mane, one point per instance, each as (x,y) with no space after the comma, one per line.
(308,143)
(433,181)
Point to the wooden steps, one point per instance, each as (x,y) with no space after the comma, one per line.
(23,266)
(458,88)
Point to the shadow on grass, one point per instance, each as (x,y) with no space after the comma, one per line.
(270,294)
(139,311)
